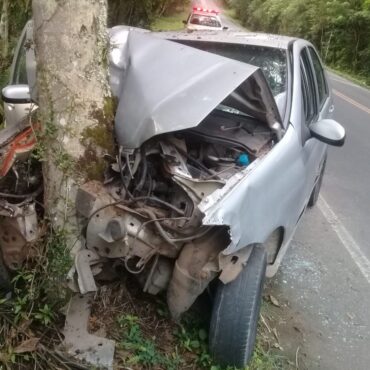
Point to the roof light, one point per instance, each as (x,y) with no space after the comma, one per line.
(205,10)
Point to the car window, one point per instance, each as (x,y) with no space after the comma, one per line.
(320,77)
(204,20)
(308,88)
(20,71)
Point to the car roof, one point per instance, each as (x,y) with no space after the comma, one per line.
(230,37)
(200,12)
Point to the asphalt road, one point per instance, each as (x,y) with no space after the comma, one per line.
(347,182)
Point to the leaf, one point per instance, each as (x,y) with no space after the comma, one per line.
(202,334)
(274,301)
(29,345)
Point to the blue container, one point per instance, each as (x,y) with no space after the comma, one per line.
(243,160)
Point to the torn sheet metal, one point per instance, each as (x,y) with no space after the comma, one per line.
(83,261)
(165,86)
(250,206)
(82,345)
(18,230)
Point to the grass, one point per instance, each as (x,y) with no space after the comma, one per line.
(146,337)
(231,13)
(30,319)
(170,23)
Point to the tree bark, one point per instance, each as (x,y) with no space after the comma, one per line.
(4,29)
(73,96)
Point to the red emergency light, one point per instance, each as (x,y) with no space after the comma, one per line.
(205,10)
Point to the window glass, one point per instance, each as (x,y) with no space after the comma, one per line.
(20,72)
(308,88)
(204,20)
(320,77)
(305,98)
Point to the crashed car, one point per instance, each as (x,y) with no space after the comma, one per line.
(221,146)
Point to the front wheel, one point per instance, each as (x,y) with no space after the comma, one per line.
(235,313)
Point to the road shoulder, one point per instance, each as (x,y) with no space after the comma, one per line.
(323,320)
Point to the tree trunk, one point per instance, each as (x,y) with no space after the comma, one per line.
(4,29)
(74,100)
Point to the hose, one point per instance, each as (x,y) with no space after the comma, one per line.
(144,172)
(163,233)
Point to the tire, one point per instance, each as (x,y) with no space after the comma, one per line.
(235,313)
(316,190)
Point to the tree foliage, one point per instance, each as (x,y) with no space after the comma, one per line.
(140,13)
(340,29)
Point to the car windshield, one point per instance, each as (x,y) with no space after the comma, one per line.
(204,20)
(272,61)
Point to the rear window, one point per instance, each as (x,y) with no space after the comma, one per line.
(204,20)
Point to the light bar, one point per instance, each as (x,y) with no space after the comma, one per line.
(205,10)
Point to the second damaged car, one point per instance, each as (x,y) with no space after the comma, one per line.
(220,150)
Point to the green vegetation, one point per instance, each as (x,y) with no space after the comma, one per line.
(340,29)
(170,22)
(147,338)
(30,319)
(359,80)
(143,13)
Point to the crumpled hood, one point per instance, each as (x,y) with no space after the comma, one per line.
(163,86)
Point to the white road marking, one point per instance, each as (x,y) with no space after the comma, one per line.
(346,238)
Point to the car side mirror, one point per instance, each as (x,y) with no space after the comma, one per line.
(16,94)
(328,131)
(225,28)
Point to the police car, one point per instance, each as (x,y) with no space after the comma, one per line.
(204,19)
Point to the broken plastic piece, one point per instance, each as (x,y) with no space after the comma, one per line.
(82,345)
(83,261)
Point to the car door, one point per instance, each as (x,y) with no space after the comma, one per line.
(14,112)
(316,105)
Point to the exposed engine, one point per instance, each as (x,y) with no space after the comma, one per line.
(145,216)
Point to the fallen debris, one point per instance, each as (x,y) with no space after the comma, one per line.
(274,301)
(29,345)
(79,343)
